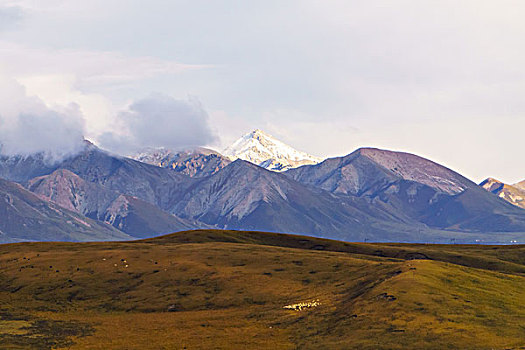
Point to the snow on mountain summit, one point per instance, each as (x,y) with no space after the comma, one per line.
(265,151)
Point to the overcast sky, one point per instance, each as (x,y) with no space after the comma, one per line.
(442,79)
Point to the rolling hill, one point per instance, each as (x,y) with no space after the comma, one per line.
(229,289)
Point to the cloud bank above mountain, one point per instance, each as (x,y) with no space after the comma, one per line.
(160,121)
(443,79)
(28,126)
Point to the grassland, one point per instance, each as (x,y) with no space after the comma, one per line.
(226,290)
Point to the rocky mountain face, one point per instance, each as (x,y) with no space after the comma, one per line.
(512,194)
(369,194)
(72,192)
(126,213)
(243,195)
(261,149)
(415,188)
(23,168)
(114,190)
(368,170)
(197,162)
(155,185)
(150,183)
(26,217)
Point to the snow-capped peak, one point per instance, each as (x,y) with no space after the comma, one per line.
(264,150)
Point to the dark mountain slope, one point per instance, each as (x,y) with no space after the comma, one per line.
(127,213)
(245,196)
(24,216)
(155,185)
(476,210)
(415,188)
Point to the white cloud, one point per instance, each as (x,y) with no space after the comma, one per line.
(28,126)
(159,121)
(58,90)
(327,76)
(88,79)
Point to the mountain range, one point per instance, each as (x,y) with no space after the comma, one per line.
(258,184)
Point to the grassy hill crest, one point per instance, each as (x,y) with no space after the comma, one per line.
(227,289)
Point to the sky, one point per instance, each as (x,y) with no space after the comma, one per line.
(441,79)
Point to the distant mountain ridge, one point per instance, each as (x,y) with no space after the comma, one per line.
(264,150)
(370,194)
(196,162)
(124,212)
(244,195)
(514,194)
(368,169)
(520,185)
(26,217)
(414,187)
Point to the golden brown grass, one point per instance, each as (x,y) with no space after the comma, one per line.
(227,290)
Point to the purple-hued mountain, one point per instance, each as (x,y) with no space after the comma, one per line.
(414,187)
(197,162)
(370,194)
(124,212)
(368,170)
(26,217)
(245,196)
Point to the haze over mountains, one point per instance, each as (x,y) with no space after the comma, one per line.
(259,183)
